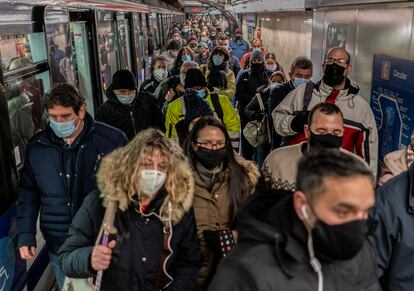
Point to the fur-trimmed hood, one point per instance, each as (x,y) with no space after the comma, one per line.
(252,171)
(179,186)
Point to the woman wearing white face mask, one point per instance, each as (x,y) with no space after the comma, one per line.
(127,110)
(159,72)
(271,63)
(156,244)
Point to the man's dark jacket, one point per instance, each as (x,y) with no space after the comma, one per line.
(272,255)
(139,247)
(44,181)
(394,236)
(141,114)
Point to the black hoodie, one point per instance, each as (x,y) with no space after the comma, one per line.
(141,114)
(272,254)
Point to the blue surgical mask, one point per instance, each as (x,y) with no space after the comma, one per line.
(126,99)
(203,39)
(63,129)
(185,58)
(201,93)
(218,60)
(299,81)
(257,49)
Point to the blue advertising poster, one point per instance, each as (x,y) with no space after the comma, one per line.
(392,101)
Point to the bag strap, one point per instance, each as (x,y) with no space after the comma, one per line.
(307,96)
(260,100)
(217,106)
(108,221)
(165,252)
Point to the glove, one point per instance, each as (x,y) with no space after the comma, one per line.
(213,242)
(299,121)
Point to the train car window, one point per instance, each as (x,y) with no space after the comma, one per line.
(108,47)
(139,47)
(124,41)
(24,101)
(61,58)
(144,33)
(19,51)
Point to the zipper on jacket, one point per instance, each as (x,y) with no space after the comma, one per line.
(133,120)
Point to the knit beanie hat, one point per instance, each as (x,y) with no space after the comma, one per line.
(257,55)
(123,79)
(194,107)
(194,77)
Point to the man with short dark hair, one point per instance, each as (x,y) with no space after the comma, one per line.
(234,64)
(59,171)
(324,129)
(301,71)
(360,136)
(314,239)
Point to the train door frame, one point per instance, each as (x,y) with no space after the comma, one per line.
(88,16)
(134,69)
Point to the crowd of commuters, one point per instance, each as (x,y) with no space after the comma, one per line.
(198,205)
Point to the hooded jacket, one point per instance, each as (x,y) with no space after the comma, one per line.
(139,241)
(44,183)
(272,255)
(360,135)
(394,236)
(141,114)
(212,207)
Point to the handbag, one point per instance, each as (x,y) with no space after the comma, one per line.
(107,227)
(257,132)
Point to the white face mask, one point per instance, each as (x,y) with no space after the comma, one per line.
(151,182)
(160,74)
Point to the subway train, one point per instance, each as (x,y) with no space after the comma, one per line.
(43,43)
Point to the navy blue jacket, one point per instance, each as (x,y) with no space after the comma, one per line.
(276,95)
(394,236)
(44,183)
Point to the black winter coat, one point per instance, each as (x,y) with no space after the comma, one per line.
(272,255)
(149,85)
(246,86)
(139,247)
(141,114)
(45,187)
(394,236)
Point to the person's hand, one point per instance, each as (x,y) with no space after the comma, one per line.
(101,256)
(170,95)
(27,253)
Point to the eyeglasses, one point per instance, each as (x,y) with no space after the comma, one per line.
(209,145)
(340,62)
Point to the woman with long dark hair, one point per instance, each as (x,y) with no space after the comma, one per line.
(223,180)
(185,54)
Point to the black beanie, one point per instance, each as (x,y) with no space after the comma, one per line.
(173,45)
(123,79)
(194,77)
(195,107)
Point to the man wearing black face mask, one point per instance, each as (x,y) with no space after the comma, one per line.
(246,86)
(360,130)
(325,129)
(314,239)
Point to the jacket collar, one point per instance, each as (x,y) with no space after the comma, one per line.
(350,89)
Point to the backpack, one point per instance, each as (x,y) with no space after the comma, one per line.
(216,106)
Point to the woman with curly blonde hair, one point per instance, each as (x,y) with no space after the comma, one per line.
(155,245)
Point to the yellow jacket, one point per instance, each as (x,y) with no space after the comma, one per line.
(230,91)
(231,119)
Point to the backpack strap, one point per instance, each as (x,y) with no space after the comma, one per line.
(307,96)
(217,106)
(260,100)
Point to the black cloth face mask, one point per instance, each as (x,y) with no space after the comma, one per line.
(257,68)
(341,241)
(323,141)
(210,158)
(333,75)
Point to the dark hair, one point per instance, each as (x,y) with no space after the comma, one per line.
(178,63)
(173,44)
(302,63)
(222,36)
(239,189)
(156,60)
(64,95)
(278,73)
(316,165)
(219,50)
(270,56)
(325,108)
